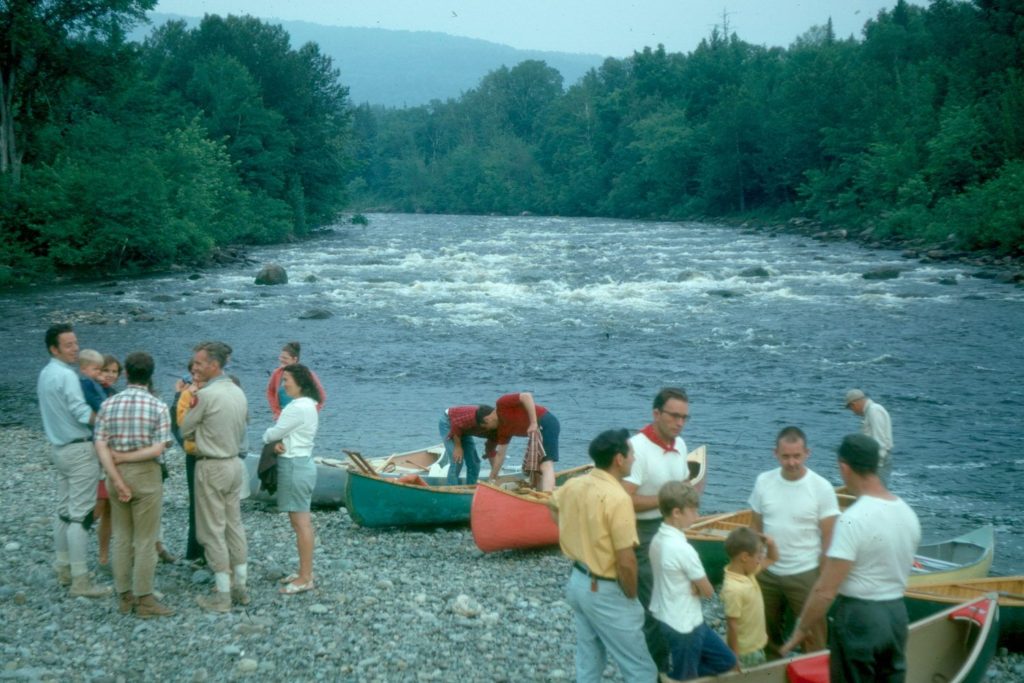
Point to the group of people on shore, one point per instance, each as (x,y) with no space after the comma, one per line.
(636,583)
(124,435)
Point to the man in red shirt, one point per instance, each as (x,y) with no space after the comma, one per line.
(518,415)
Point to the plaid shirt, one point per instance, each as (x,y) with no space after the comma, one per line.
(463,421)
(133,419)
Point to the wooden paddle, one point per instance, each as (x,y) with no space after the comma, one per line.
(361,463)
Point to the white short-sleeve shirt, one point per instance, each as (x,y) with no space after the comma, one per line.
(654,466)
(676,566)
(792,512)
(880,537)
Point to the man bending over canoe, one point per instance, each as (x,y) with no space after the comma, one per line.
(518,415)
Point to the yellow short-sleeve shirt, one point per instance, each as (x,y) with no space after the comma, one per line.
(595,519)
(741,598)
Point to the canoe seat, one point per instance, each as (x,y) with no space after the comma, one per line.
(976,612)
(808,669)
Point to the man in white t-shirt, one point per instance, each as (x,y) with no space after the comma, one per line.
(797,507)
(660,457)
(868,565)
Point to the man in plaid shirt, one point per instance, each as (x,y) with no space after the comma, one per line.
(132,430)
(458,426)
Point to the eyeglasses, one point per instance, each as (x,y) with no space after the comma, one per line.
(675,416)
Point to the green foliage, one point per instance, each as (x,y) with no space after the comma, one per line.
(141,157)
(904,131)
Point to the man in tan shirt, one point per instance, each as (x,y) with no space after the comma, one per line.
(597,531)
(216,421)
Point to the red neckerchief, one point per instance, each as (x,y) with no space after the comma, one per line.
(649,432)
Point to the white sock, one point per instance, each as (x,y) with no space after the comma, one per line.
(241,575)
(223,581)
(62,558)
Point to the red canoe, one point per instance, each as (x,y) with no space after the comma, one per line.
(518,520)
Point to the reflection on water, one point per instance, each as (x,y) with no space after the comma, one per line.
(594,315)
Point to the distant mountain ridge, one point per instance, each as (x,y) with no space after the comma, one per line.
(409,68)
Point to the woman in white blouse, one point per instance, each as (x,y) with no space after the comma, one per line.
(296,471)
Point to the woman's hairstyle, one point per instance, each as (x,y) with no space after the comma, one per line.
(109,359)
(304,378)
(293,349)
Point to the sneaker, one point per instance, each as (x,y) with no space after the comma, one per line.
(240,596)
(216,602)
(63,574)
(82,586)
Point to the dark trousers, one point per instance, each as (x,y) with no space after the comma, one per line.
(193,549)
(656,643)
(868,640)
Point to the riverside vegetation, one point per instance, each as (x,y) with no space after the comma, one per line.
(116,155)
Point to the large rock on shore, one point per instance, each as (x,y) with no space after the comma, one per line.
(272,274)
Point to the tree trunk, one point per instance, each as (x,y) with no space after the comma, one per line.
(10,160)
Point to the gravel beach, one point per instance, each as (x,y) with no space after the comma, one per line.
(388,606)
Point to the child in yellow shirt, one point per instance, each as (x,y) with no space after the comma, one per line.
(749,553)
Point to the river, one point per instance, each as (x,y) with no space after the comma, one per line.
(593,316)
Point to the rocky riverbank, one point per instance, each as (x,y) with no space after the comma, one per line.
(389,605)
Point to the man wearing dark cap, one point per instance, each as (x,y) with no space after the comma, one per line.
(867,567)
(877,425)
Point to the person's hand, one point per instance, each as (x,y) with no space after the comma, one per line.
(124,494)
(456,456)
(179,385)
(279,447)
(532,429)
(794,641)
(116,457)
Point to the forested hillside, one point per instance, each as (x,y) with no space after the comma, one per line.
(913,130)
(119,156)
(123,156)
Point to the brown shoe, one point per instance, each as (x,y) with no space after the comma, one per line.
(125,602)
(240,596)
(82,586)
(165,556)
(147,608)
(215,602)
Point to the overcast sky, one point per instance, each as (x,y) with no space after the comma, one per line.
(612,28)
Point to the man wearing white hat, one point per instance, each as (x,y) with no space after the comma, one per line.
(877,425)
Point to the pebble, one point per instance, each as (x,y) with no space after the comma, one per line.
(393,605)
(12,546)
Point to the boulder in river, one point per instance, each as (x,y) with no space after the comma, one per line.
(272,274)
(756,271)
(315,314)
(885,273)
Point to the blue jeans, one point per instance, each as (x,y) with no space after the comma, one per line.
(607,622)
(469,454)
(701,652)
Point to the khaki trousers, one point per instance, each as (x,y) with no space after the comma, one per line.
(218,515)
(77,472)
(780,593)
(136,527)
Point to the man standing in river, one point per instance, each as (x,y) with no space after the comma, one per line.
(660,458)
(67,421)
(217,421)
(877,425)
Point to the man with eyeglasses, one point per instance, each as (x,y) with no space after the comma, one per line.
(660,458)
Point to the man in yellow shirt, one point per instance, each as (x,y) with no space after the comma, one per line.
(597,531)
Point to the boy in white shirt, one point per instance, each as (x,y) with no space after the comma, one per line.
(679,578)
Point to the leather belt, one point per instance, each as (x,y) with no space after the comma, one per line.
(583,569)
